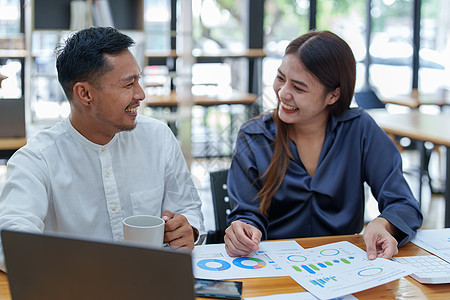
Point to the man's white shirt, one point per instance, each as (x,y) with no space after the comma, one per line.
(62,182)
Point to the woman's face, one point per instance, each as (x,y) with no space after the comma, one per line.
(302,98)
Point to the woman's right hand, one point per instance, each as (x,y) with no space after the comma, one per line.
(241,239)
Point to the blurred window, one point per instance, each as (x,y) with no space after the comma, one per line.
(157,15)
(347,19)
(284,20)
(10,78)
(391,47)
(434,63)
(218,25)
(48,101)
(12,39)
(9,19)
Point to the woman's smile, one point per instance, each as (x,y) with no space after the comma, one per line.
(288,108)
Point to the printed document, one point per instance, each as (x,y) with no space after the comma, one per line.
(328,271)
(436,241)
(339,269)
(213,262)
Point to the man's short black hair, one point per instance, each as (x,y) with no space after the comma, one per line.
(80,57)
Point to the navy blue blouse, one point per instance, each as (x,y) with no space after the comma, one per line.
(355,150)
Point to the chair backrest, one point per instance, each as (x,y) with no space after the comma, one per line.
(367,99)
(221,201)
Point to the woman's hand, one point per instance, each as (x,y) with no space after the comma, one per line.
(241,239)
(379,239)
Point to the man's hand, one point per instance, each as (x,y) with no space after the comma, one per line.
(241,239)
(178,233)
(379,239)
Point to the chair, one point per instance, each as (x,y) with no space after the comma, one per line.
(221,204)
(367,98)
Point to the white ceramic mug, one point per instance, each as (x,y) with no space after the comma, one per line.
(145,230)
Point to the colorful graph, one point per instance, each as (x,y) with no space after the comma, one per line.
(296,258)
(212,264)
(312,268)
(329,252)
(269,260)
(322,281)
(370,271)
(249,263)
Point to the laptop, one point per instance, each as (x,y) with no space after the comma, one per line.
(50,266)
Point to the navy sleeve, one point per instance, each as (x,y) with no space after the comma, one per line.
(382,164)
(244,184)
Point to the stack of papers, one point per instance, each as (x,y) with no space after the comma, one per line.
(328,271)
(436,241)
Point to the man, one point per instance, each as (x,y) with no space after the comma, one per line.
(104,162)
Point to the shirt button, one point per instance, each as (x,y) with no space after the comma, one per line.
(103,149)
(107,174)
(114,208)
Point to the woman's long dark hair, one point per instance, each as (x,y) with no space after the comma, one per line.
(329,58)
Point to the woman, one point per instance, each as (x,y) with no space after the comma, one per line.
(299,171)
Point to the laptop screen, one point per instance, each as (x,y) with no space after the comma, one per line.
(45,266)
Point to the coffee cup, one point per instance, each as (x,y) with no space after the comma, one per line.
(144,230)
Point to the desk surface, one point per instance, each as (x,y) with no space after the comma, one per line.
(12,143)
(403,288)
(415,125)
(421,127)
(416,100)
(174,99)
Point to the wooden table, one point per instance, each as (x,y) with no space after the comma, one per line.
(421,127)
(416,100)
(10,145)
(174,99)
(403,288)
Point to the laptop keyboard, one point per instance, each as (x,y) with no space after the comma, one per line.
(429,268)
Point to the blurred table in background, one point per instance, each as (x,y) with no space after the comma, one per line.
(420,127)
(10,145)
(215,117)
(174,99)
(415,100)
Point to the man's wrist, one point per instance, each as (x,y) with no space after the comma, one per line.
(195,233)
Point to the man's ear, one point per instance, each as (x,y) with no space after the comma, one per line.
(334,96)
(82,93)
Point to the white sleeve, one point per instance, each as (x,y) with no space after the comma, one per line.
(24,198)
(181,195)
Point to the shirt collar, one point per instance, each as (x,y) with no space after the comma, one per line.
(264,124)
(84,141)
(349,114)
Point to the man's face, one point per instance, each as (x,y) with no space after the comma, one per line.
(117,94)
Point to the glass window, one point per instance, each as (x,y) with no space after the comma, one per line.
(391,46)
(218,25)
(347,19)
(48,101)
(434,72)
(10,78)
(9,19)
(284,20)
(11,39)
(157,16)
